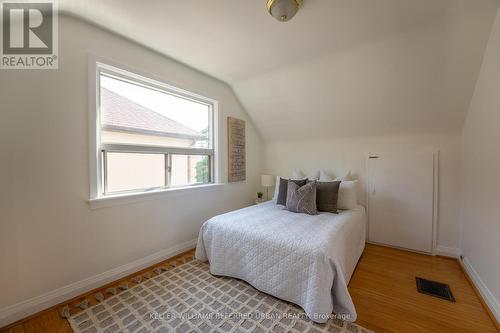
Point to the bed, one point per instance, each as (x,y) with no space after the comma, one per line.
(304,259)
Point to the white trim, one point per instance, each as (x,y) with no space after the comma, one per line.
(138,77)
(486,294)
(441,250)
(447,251)
(217,164)
(31,306)
(128,148)
(435,203)
(134,197)
(398,248)
(367,194)
(94,164)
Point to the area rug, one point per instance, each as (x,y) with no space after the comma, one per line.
(189,299)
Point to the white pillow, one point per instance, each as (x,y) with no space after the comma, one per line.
(324,177)
(276,188)
(345,177)
(348,194)
(297,174)
(313,175)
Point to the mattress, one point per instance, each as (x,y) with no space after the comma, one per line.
(304,259)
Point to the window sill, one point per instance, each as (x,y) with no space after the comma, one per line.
(130,198)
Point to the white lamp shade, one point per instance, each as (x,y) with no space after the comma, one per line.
(267,180)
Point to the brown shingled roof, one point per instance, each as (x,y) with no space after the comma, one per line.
(121,114)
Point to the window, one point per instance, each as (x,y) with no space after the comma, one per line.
(150,136)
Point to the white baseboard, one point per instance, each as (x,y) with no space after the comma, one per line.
(486,294)
(31,306)
(446,251)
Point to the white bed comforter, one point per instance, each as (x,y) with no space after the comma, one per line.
(304,259)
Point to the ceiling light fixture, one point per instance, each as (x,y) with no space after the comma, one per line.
(283,10)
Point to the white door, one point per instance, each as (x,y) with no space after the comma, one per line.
(401,199)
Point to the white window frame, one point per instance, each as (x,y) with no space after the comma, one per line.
(97,196)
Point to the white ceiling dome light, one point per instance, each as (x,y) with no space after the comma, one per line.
(283,10)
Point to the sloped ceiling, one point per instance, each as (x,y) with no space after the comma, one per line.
(339,68)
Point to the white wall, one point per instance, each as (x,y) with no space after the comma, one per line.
(480,209)
(341,155)
(49,237)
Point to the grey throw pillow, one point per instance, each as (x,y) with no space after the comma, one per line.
(301,199)
(327,196)
(283,189)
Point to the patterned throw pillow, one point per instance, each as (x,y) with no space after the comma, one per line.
(301,199)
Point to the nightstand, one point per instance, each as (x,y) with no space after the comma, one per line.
(258,202)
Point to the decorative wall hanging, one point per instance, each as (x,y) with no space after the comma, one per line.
(236,156)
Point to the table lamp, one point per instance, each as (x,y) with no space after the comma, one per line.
(267,181)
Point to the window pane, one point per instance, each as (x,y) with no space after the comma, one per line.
(139,115)
(131,171)
(190,169)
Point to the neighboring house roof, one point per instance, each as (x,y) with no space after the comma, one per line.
(121,114)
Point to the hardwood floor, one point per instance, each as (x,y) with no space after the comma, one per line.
(383,290)
(384,293)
